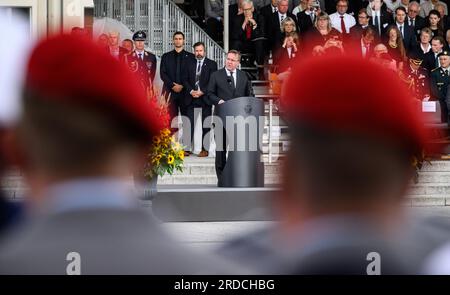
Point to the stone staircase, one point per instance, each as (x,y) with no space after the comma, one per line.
(433,188)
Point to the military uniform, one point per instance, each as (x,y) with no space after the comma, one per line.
(439,83)
(417,78)
(143,63)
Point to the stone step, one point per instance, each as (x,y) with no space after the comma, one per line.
(209,179)
(434,177)
(435,166)
(428,200)
(430,189)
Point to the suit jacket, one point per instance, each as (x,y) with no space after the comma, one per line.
(409,38)
(283,61)
(356,32)
(266,12)
(429,61)
(209,66)
(419,24)
(385,20)
(304,22)
(276,35)
(219,86)
(357,49)
(237,34)
(168,70)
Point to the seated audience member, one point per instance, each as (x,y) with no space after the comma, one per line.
(424,45)
(214,18)
(394,44)
(426,6)
(365,44)
(276,19)
(435,23)
(247,32)
(380,17)
(302,5)
(322,37)
(307,18)
(288,55)
(414,19)
(444,18)
(416,77)
(406,32)
(287,27)
(381,56)
(363,22)
(431,59)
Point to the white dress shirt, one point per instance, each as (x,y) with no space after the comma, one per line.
(282,17)
(349,22)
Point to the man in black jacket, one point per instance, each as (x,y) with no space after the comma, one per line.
(226,84)
(275,23)
(171,70)
(414,19)
(195,81)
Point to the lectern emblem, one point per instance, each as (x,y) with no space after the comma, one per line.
(248,109)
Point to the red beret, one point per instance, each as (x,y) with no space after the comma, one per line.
(351,95)
(75,70)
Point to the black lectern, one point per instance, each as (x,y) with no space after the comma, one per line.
(243,120)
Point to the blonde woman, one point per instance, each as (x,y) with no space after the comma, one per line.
(323,37)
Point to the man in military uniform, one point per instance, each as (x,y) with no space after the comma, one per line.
(142,62)
(417,77)
(440,82)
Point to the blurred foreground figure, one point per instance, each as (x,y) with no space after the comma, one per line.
(84,129)
(12,68)
(345,176)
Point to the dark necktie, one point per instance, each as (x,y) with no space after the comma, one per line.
(401,30)
(446,72)
(411,22)
(377,24)
(343,30)
(178,68)
(232,80)
(198,72)
(140,56)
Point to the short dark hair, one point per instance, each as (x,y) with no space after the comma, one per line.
(363,10)
(439,38)
(369,31)
(400,8)
(127,40)
(178,33)
(435,12)
(197,44)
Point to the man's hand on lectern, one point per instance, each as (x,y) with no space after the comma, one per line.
(221,101)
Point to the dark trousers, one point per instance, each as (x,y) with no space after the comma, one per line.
(221,152)
(198,106)
(174,107)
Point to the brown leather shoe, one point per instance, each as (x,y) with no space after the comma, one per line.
(203,154)
(187,153)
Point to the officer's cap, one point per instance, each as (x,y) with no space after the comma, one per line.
(444,53)
(139,36)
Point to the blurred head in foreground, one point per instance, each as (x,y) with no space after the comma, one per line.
(349,164)
(81,120)
(352,143)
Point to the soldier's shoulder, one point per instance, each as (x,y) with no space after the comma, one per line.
(435,69)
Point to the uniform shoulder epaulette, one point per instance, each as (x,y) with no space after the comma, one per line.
(435,69)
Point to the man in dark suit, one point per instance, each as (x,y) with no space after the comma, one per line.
(224,85)
(267,12)
(380,18)
(195,81)
(171,70)
(275,23)
(431,59)
(142,62)
(364,45)
(413,19)
(363,23)
(408,35)
(307,17)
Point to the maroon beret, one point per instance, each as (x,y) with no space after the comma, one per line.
(73,69)
(351,95)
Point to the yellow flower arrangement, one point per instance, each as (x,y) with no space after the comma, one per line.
(166,155)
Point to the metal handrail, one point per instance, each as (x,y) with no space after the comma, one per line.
(159,19)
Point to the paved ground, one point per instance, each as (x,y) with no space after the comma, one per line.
(206,236)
